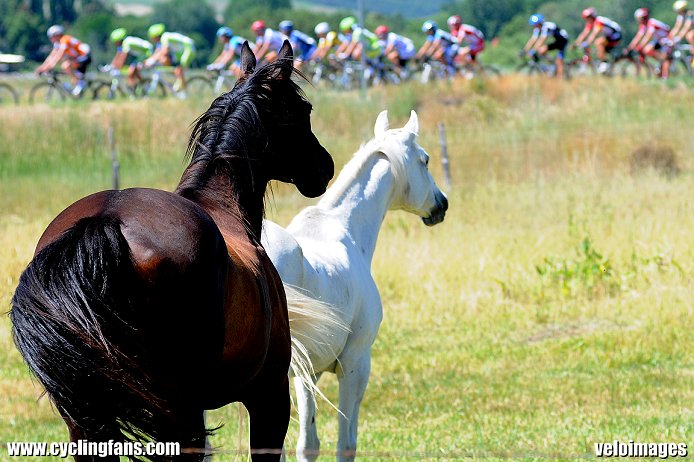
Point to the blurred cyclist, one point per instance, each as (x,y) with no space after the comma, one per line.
(397,49)
(358,40)
(327,40)
(77,57)
(439,45)
(232,49)
(683,28)
(610,35)
(649,39)
(171,49)
(268,42)
(303,45)
(543,30)
(130,51)
(469,35)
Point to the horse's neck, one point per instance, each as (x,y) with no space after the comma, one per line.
(360,198)
(235,202)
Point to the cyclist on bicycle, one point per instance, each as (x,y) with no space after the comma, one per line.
(651,37)
(77,57)
(358,40)
(440,45)
(171,49)
(397,49)
(327,40)
(683,28)
(130,51)
(268,42)
(542,30)
(470,35)
(610,35)
(232,49)
(303,45)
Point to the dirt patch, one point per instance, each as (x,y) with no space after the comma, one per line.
(660,158)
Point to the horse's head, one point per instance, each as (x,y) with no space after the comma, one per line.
(293,153)
(415,191)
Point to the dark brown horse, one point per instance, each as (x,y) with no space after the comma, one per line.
(142,308)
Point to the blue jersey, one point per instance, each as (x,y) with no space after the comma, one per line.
(302,43)
(236,43)
(444,37)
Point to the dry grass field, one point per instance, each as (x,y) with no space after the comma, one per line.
(551,310)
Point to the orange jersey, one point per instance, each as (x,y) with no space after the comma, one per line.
(73,47)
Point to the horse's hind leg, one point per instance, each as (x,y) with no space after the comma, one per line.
(268,408)
(308,445)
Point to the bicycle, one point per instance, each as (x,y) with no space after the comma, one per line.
(680,57)
(8,95)
(535,64)
(222,80)
(433,69)
(116,87)
(52,89)
(157,86)
(632,64)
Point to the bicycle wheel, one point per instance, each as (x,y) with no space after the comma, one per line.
(680,67)
(106,90)
(8,95)
(200,87)
(632,68)
(148,89)
(46,92)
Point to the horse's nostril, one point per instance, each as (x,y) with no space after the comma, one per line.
(444,202)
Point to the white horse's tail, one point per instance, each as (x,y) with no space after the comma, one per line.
(313,324)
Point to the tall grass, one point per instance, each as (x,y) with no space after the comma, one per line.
(551,310)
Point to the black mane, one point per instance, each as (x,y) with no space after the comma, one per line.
(232,128)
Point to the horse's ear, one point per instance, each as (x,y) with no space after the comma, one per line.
(413,124)
(286,60)
(248,61)
(382,124)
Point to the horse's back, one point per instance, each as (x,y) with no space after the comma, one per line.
(285,253)
(182,263)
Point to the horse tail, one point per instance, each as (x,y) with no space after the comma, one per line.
(75,323)
(313,325)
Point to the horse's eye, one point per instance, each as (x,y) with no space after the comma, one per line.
(425,159)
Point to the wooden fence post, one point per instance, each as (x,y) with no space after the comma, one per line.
(115,167)
(445,164)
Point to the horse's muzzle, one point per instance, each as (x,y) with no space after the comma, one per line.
(438,213)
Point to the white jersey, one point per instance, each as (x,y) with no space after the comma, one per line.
(177,43)
(404,46)
(273,37)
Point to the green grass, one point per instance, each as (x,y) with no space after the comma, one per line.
(479,353)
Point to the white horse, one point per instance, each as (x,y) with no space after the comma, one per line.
(327,251)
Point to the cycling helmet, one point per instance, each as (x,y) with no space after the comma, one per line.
(382,30)
(322,28)
(118,35)
(286,26)
(258,26)
(536,19)
(589,13)
(641,13)
(429,25)
(155,30)
(680,5)
(348,23)
(455,21)
(55,30)
(225,31)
